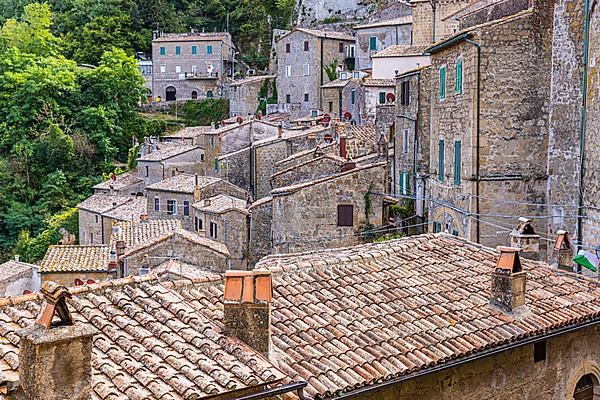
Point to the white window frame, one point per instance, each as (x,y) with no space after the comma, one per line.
(177,69)
(288,71)
(174,207)
(213,231)
(163,69)
(306,70)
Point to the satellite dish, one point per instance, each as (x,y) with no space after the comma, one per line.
(328,138)
(240,120)
(390,97)
(90,281)
(348,116)
(78,282)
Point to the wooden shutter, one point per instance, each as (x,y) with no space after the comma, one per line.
(441,160)
(458,82)
(457,161)
(443,82)
(345,215)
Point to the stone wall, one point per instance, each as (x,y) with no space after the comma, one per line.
(386,37)
(511,374)
(90,228)
(260,242)
(244,96)
(316,168)
(68,278)
(265,158)
(235,168)
(423,20)
(189,162)
(306,219)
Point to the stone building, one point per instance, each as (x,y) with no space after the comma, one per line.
(172,198)
(431,25)
(159,161)
(342,99)
(224,219)
(319,166)
(332,211)
(18,277)
(302,55)
(488,141)
(244,94)
(395,60)
(260,237)
(375,36)
(190,66)
(128,183)
(375,91)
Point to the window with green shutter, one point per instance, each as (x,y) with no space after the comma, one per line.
(458,81)
(177,50)
(404,185)
(457,161)
(208,49)
(163,51)
(372,43)
(437,227)
(381,97)
(194,50)
(443,82)
(441,160)
(216,164)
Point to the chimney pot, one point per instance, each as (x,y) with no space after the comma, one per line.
(280,131)
(562,252)
(144,217)
(17,258)
(524,237)
(508,280)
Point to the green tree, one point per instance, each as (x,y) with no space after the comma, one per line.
(331,69)
(32,33)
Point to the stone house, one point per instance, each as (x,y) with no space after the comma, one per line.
(190,135)
(342,99)
(67,264)
(98,212)
(244,94)
(260,237)
(375,92)
(172,198)
(373,37)
(159,161)
(319,166)
(427,20)
(396,60)
(128,183)
(18,277)
(224,219)
(190,66)
(303,156)
(302,55)
(333,211)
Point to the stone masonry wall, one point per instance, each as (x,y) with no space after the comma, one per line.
(265,159)
(313,169)
(260,243)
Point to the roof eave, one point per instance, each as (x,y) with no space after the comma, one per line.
(436,48)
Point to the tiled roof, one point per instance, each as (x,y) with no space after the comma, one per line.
(182,183)
(322,34)
(222,203)
(338,83)
(260,202)
(136,233)
(13,268)
(408,19)
(401,51)
(75,258)
(336,159)
(175,268)
(190,132)
(378,82)
(192,37)
(167,150)
(152,343)
(348,318)
(299,154)
(122,181)
(251,79)
(129,211)
(101,203)
(181,233)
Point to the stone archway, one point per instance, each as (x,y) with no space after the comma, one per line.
(171,93)
(584,383)
(194,95)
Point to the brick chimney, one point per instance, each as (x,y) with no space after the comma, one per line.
(523,236)
(280,131)
(247,308)
(197,191)
(55,356)
(562,253)
(144,218)
(343,150)
(508,280)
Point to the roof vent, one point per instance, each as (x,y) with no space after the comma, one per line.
(508,280)
(562,253)
(206,202)
(524,237)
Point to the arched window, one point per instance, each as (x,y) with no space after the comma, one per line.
(587,388)
(171,93)
(209,94)
(194,95)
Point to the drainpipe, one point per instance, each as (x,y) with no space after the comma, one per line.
(586,39)
(478,133)
(321,73)
(433,7)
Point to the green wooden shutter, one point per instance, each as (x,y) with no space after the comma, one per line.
(441,160)
(458,82)
(372,43)
(177,50)
(457,161)
(443,82)
(194,50)
(163,51)
(381,97)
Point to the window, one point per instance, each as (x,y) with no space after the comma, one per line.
(345,215)
(288,70)
(216,164)
(353,96)
(343,75)
(288,98)
(157,204)
(381,97)
(163,51)
(172,207)
(209,49)
(331,106)
(213,230)
(350,49)
(196,223)
(186,208)
(405,143)
(404,183)
(209,94)
(437,227)
(178,69)
(457,161)
(163,69)
(458,81)
(202,157)
(172,172)
(306,69)
(341,47)
(194,50)
(405,93)
(314,113)
(177,50)
(91,238)
(539,351)
(441,160)
(194,69)
(305,45)
(194,95)
(212,142)
(372,43)
(305,96)
(443,82)
(288,48)
(96,217)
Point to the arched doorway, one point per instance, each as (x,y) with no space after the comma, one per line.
(171,93)
(209,94)
(194,95)
(586,388)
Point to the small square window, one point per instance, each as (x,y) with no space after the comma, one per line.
(305,96)
(539,351)
(305,45)
(288,48)
(341,47)
(345,215)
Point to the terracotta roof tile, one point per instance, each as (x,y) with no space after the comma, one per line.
(221,203)
(400,51)
(183,183)
(13,268)
(181,233)
(136,233)
(129,211)
(408,19)
(124,180)
(101,203)
(192,37)
(75,258)
(167,150)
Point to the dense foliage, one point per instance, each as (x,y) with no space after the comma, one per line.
(205,112)
(90,27)
(61,127)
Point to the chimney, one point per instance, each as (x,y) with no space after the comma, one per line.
(144,218)
(247,308)
(197,191)
(120,246)
(17,258)
(562,253)
(206,202)
(55,357)
(508,280)
(112,260)
(523,236)
(280,131)
(343,152)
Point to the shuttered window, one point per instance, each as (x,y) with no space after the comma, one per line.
(177,50)
(457,162)
(372,43)
(345,215)
(208,49)
(458,82)
(163,51)
(194,50)
(186,208)
(441,160)
(443,82)
(405,93)
(404,185)
(381,97)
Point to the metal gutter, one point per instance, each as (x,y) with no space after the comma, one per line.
(464,360)
(445,44)
(298,387)
(478,133)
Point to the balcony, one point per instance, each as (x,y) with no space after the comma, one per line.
(201,75)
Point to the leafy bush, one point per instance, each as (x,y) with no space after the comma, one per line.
(205,112)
